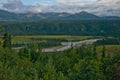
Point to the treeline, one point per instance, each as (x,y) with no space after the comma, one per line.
(84,27)
(42,43)
(74,64)
(113,41)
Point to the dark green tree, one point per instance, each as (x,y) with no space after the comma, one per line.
(103,52)
(61,76)
(24,53)
(7,40)
(94,51)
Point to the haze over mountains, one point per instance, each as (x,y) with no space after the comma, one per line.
(97,7)
(5,15)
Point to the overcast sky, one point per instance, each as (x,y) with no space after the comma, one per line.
(98,7)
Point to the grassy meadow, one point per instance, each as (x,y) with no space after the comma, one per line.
(109,49)
(65,37)
(55,40)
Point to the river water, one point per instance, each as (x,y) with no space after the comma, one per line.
(64,45)
(68,45)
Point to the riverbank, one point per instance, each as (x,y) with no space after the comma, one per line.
(68,45)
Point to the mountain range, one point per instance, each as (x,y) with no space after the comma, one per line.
(6,16)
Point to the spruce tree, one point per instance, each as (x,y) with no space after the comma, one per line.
(103,52)
(7,41)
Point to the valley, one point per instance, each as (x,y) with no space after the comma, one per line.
(59,40)
(60,50)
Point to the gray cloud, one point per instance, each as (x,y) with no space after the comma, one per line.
(18,7)
(98,7)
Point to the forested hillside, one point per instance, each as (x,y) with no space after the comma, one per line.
(84,27)
(84,63)
(59,39)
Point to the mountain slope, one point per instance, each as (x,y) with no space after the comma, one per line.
(5,15)
(82,16)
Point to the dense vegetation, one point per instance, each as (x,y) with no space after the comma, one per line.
(84,63)
(113,41)
(84,27)
(44,43)
(45,40)
(75,64)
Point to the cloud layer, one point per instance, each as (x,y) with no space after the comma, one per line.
(98,7)
(18,6)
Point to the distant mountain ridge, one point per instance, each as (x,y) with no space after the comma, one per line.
(5,15)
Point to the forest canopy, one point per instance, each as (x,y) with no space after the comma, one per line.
(84,27)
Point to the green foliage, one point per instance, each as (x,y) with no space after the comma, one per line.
(0,28)
(7,41)
(87,27)
(24,53)
(74,64)
(103,52)
(61,76)
(113,41)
